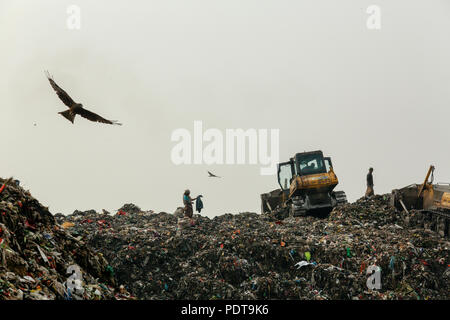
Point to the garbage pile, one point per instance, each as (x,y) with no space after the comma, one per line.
(363,250)
(39,260)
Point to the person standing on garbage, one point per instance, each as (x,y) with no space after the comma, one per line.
(369,191)
(187,201)
(199,203)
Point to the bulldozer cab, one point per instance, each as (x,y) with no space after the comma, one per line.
(303,164)
(308,163)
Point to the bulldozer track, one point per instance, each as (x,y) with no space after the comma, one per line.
(341,197)
(440,221)
(438,213)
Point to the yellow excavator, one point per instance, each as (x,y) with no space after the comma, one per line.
(432,200)
(307,183)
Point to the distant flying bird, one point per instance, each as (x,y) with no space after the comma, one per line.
(211,175)
(75,108)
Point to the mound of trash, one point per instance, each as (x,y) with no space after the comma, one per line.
(39,260)
(363,250)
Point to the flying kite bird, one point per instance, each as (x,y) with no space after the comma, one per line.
(76,108)
(211,175)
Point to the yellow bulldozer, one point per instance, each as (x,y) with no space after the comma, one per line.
(307,183)
(429,199)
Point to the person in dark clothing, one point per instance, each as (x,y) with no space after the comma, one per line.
(369,191)
(187,201)
(199,204)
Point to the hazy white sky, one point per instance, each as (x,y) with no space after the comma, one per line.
(309,68)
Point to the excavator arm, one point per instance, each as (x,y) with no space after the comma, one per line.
(424,184)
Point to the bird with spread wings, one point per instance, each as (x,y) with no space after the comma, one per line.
(75,108)
(212,175)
